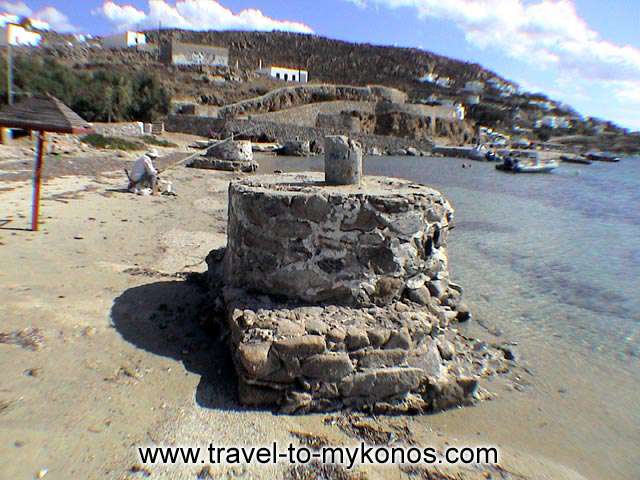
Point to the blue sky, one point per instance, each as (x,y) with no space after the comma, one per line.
(583,52)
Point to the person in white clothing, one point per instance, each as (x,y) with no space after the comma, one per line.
(144,172)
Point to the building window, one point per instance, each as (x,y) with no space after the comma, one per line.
(278,76)
(293,77)
(286,77)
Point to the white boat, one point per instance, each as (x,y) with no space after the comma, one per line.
(527,162)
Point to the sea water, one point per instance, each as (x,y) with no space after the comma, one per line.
(551,261)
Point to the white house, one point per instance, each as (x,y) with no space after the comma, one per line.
(124,40)
(17,35)
(444,82)
(476,87)
(428,78)
(472,100)
(286,74)
(551,121)
(460,112)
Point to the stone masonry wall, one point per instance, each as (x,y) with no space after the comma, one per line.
(349,245)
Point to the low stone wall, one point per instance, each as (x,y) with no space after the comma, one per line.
(124,129)
(209,163)
(290,235)
(293,96)
(261,131)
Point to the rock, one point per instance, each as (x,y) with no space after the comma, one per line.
(296,402)
(327,367)
(256,360)
(380,358)
(463,313)
(299,347)
(446,348)
(420,295)
(437,288)
(296,148)
(233,151)
(381,383)
(399,339)
(427,358)
(378,336)
(356,338)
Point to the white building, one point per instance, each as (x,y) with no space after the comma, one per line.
(472,100)
(17,35)
(444,82)
(475,87)
(428,78)
(551,121)
(286,74)
(460,113)
(124,40)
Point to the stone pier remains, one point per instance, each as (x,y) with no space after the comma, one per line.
(337,293)
(230,155)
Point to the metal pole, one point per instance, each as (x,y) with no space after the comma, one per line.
(37,178)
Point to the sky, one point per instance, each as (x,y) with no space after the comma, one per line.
(582,52)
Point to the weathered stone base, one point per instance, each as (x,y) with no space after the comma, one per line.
(226,165)
(400,358)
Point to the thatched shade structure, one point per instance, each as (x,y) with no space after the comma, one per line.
(42,113)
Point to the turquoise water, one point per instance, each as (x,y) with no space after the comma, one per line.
(552,254)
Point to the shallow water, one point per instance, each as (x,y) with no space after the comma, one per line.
(552,261)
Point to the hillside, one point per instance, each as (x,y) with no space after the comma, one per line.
(328,61)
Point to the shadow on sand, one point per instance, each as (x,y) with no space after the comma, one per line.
(172,319)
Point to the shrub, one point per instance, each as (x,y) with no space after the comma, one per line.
(111,143)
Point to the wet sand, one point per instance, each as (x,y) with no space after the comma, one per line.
(122,354)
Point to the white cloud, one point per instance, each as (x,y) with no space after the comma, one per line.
(194,15)
(47,18)
(546,33)
(16,8)
(8,18)
(50,18)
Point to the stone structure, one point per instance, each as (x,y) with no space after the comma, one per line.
(339,297)
(342,161)
(296,148)
(227,155)
(120,129)
(190,54)
(355,245)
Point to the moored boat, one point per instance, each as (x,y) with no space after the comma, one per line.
(575,159)
(602,156)
(529,162)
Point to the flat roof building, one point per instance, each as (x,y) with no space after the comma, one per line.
(17,35)
(124,40)
(192,54)
(286,74)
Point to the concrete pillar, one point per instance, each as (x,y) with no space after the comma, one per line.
(342,161)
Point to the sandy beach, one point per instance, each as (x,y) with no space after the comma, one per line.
(107,345)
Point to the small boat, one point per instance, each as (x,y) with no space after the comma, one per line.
(529,162)
(579,160)
(602,156)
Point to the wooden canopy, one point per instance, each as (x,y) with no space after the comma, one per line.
(43,113)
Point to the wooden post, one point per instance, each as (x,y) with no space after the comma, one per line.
(37,178)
